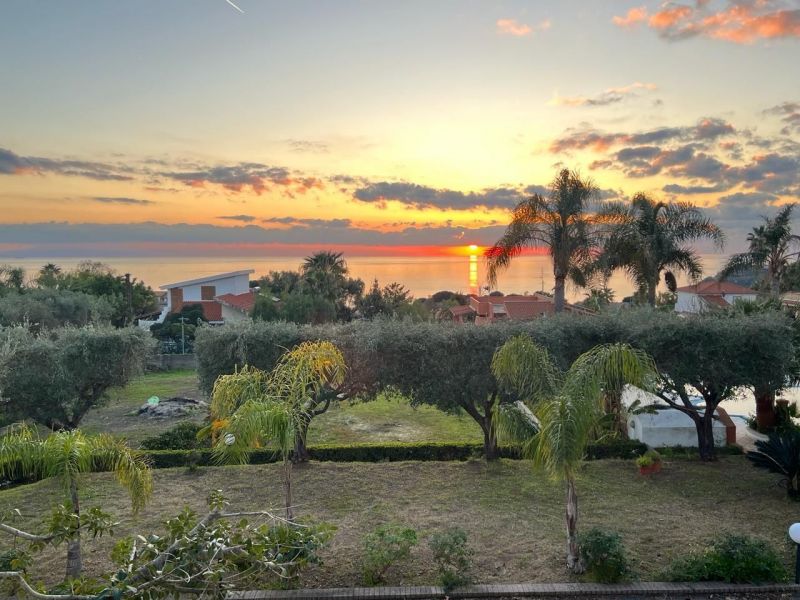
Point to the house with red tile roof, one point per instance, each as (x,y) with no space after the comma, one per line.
(236,307)
(490,309)
(711,295)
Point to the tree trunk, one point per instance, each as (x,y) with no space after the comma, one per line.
(705,436)
(765,409)
(490,450)
(300,452)
(613,406)
(74,557)
(558,299)
(651,293)
(574,560)
(287,489)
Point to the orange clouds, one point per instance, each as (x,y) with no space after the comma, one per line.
(742,22)
(515,28)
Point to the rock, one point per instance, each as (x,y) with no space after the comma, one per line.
(171,407)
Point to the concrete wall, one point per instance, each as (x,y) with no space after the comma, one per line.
(172,362)
(227,285)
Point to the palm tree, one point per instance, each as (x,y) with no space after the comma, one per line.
(771,248)
(66,455)
(325,272)
(649,237)
(567,408)
(561,223)
(48,275)
(254,408)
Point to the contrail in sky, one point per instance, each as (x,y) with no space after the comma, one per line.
(234,6)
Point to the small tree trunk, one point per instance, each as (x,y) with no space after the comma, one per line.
(74,556)
(613,406)
(287,489)
(651,293)
(558,298)
(300,452)
(574,560)
(765,409)
(490,450)
(705,436)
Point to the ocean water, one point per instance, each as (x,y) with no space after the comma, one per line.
(422,276)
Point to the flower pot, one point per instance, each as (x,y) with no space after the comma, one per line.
(650,469)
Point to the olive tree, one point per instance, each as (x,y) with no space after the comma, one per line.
(56,377)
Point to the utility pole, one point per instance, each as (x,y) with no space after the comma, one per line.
(183,336)
(129,297)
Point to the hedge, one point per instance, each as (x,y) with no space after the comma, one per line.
(388,452)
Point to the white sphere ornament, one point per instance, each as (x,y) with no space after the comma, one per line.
(794,533)
(230,439)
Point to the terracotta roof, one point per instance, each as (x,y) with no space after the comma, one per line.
(243,302)
(461,310)
(528,309)
(713,287)
(716,300)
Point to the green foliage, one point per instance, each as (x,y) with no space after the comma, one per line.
(780,454)
(453,557)
(604,555)
(383,547)
(733,559)
(51,308)
(648,459)
(182,436)
(56,377)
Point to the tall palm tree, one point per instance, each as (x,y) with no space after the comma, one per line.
(255,408)
(66,455)
(325,272)
(649,237)
(562,223)
(772,246)
(567,408)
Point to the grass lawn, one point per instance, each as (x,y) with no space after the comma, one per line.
(387,419)
(514,517)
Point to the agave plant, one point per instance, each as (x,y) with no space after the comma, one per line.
(780,454)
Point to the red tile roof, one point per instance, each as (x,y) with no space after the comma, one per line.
(716,300)
(717,288)
(243,302)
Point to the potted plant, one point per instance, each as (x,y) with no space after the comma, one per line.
(649,463)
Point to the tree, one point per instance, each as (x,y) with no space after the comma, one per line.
(48,308)
(561,223)
(649,237)
(49,276)
(55,379)
(12,279)
(771,248)
(255,408)
(568,407)
(372,303)
(66,455)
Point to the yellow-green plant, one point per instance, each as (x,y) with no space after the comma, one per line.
(252,408)
(66,455)
(563,409)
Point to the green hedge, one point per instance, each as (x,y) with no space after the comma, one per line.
(388,452)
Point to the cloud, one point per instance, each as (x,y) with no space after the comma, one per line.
(790,115)
(515,28)
(236,178)
(308,146)
(14,164)
(587,138)
(634,16)
(676,188)
(298,222)
(121,200)
(421,196)
(609,96)
(242,218)
(740,21)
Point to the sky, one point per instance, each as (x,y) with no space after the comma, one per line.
(198,127)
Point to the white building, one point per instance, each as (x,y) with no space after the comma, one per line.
(708,295)
(216,295)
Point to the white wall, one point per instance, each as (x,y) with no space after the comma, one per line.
(689,303)
(668,428)
(226,285)
(232,315)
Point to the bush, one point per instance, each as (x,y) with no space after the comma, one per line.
(733,559)
(182,436)
(780,454)
(604,555)
(453,557)
(648,459)
(383,547)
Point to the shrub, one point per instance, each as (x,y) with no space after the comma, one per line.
(453,557)
(780,454)
(733,559)
(383,547)
(648,459)
(604,555)
(182,436)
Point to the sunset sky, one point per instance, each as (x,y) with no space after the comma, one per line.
(406,127)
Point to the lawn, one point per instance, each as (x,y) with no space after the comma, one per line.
(514,517)
(387,419)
